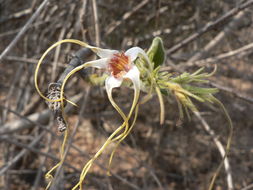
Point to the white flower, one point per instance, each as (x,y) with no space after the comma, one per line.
(120,66)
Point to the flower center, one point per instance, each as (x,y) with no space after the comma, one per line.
(119,64)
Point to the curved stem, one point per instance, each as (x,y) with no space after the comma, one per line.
(162,109)
(230,125)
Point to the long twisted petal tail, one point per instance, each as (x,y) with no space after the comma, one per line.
(43,57)
(49,175)
(134,76)
(99,152)
(122,137)
(99,63)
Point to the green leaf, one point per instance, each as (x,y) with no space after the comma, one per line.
(200,90)
(156,52)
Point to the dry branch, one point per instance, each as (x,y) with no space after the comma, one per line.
(203,62)
(10,163)
(220,37)
(127,15)
(22,31)
(220,148)
(209,26)
(38,119)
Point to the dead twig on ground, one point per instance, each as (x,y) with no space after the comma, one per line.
(8,33)
(23,30)
(42,163)
(242,50)
(233,92)
(209,26)
(61,36)
(10,163)
(248,187)
(35,150)
(219,38)
(27,122)
(220,148)
(96,21)
(11,91)
(126,16)
(19,14)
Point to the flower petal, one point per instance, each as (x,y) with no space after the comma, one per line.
(103,53)
(99,63)
(134,75)
(111,82)
(134,52)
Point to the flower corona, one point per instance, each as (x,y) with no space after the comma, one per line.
(119,64)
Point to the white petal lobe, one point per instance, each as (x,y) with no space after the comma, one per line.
(134,75)
(99,63)
(134,52)
(112,82)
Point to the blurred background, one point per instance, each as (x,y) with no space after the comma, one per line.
(181,154)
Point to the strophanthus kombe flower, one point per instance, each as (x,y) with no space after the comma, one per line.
(120,66)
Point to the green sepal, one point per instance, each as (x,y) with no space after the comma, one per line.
(156,52)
